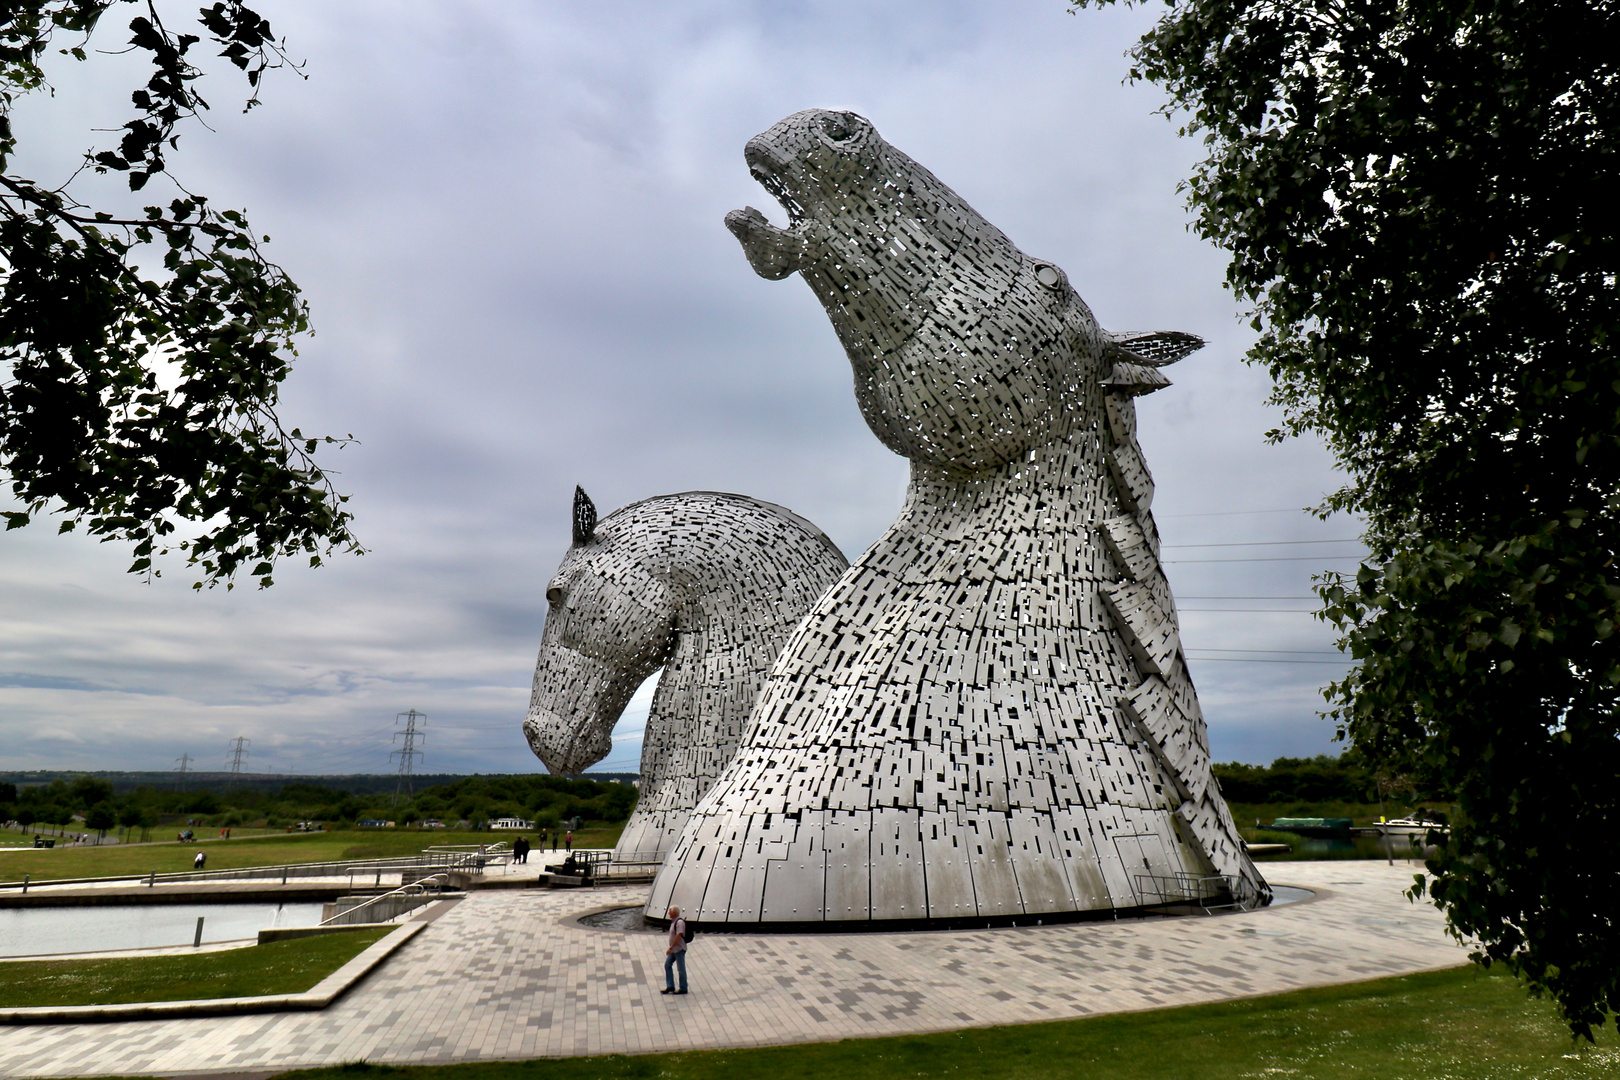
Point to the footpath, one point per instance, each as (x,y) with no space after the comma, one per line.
(512,974)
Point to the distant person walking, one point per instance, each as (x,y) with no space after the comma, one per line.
(675,955)
(570,840)
(521,849)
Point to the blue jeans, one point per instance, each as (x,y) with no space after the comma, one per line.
(675,959)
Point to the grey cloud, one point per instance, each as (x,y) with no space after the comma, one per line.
(507,222)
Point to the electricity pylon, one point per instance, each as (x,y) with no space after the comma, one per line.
(408,753)
(238,751)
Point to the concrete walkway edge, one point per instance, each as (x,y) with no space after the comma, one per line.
(319,996)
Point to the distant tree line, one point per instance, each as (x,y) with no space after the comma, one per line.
(1345,778)
(549,801)
(219,780)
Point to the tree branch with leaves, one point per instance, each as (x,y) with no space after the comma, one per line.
(1418,199)
(141,356)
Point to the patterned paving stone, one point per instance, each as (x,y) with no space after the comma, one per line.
(510,975)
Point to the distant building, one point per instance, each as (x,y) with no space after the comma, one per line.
(516,823)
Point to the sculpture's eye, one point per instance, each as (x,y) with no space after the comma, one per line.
(1049,276)
(836,127)
(554,595)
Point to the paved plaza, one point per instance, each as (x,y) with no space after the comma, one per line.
(509,974)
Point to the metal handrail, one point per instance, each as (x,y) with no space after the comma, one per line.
(1186,888)
(415,888)
(446,859)
(498,847)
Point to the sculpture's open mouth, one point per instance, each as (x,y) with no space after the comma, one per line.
(773,184)
(762,167)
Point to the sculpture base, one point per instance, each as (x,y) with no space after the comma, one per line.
(1168,910)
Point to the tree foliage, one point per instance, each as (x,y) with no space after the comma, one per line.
(548,799)
(141,356)
(1419,203)
(1298,780)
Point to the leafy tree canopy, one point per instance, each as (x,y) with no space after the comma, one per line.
(1318,779)
(1418,198)
(141,355)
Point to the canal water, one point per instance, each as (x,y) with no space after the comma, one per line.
(42,931)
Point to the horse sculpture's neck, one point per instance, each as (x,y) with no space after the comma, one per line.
(725,639)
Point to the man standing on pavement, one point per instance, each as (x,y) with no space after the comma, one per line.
(675,955)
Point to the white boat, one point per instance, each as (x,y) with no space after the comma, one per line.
(1410,830)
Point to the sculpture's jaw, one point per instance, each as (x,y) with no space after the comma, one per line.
(565,745)
(773,253)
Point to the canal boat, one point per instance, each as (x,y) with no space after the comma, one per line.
(1319,828)
(1411,830)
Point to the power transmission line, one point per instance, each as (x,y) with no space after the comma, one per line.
(1240,513)
(185,767)
(1272,558)
(1267,543)
(1302,652)
(237,751)
(1248,610)
(409,753)
(1258,660)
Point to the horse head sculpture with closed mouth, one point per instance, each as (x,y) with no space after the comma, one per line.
(703,584)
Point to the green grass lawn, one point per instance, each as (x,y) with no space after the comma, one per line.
(1460,1024)
(282,967)
(74,862)
(25,837)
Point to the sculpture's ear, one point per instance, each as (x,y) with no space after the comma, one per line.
(1154,348)
(584,517)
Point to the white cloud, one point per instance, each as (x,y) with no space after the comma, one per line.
(507,222)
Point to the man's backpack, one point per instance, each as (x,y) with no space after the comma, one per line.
(687,933)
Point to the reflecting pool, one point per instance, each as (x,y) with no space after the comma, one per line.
(42,931)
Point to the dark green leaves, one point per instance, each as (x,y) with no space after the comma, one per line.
(1418,200)
(88,325)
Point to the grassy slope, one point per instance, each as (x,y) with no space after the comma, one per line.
(339,844)
(282,967)
(1456,1024)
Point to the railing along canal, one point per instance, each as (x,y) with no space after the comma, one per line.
(433,858)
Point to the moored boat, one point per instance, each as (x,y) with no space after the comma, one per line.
(1411,830)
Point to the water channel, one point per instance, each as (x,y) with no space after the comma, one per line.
(43,931)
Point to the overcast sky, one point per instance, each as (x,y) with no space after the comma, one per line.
(507,221)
